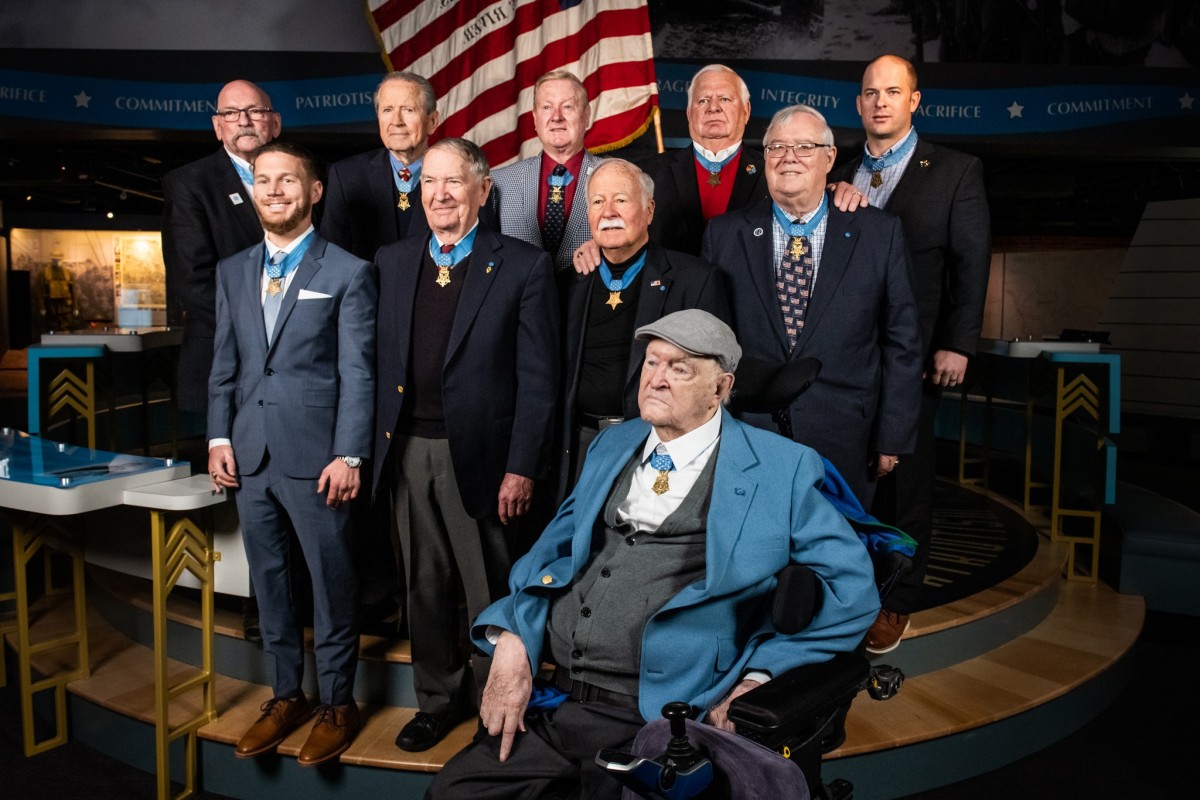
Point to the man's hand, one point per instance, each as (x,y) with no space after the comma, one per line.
(846,197)
(343,483)
(587,258)
(949,368)
(222,467)
(718,715)
(885,463)
(506,696)
(516,495)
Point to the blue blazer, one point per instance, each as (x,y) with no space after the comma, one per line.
(765,512)
(309,395)
(861,325)
(500,380)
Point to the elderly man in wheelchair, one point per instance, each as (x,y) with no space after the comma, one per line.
(697,559)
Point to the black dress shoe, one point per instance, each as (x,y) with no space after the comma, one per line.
(425,730)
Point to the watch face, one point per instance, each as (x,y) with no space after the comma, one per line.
(352,461)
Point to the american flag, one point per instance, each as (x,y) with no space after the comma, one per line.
(484,57)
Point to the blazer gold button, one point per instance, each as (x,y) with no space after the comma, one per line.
(387,434)
(400,389)
(547,580)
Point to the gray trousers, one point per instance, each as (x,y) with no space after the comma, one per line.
(444,549)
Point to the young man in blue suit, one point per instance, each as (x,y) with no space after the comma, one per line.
(655,580)
(289,423)
(807,280)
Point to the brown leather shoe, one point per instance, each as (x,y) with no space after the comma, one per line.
(281,716)
(334,730)
(884,634)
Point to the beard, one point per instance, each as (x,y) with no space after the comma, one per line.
(299,214)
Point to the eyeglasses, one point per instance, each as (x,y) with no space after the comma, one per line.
(256,113)
(801,149)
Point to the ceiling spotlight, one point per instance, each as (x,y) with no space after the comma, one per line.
(109,215)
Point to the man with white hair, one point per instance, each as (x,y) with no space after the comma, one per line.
(637,282)
(717,173)
(807,280)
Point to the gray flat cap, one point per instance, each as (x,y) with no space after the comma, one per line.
(698,333)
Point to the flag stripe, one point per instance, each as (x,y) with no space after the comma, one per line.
(483,60)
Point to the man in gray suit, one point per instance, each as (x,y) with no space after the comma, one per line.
(537,197)
(291,400)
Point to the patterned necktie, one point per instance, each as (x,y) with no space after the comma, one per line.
(662,462)
(794,285)
(272,302)
(552,232)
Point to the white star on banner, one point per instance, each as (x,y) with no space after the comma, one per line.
(1186,101)
(82,99)
(1015,110)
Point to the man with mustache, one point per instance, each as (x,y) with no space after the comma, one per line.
(637,283)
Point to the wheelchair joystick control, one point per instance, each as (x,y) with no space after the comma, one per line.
(681,772)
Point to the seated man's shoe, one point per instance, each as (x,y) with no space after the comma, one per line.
(281,716)
(425,730)
(332,733)
(884,634)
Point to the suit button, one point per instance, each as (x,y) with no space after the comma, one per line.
(631,540)
(400,389)
(576,654)
(605,573)
(585,612)
(260,403)
(270,371)
(387,434)
(576,670)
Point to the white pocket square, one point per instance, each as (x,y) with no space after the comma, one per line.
(305,294)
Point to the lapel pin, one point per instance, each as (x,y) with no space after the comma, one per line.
(656,283)
(924,163)
(489,267)
(758,231)
(846,234)
(751,169)
(739,491)
(235,198)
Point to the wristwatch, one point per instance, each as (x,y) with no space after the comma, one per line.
(353,462)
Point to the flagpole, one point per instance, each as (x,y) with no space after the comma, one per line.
(658,128)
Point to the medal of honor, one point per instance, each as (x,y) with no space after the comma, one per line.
(797,247)
(714,177)
(877,179)
(403,203)
(274,286)
(614,300)
(556,194)
(660,483)
(443,278)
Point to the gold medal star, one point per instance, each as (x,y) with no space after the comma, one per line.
(614,300)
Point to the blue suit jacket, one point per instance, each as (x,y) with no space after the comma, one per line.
(515,192)
(765,512)
(500,380)
(861,325)
(309,396)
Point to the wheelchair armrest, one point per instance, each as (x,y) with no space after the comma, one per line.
(799,700)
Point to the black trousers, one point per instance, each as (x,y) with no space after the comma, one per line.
(554,758)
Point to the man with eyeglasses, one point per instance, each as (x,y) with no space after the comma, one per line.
(209,215)
(807,280)
(939,196)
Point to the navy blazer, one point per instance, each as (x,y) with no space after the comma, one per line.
(678,219)
(500,380)
(766,511)
(360,205)
(308,396)
(861,325)
(942,204)
(208,215)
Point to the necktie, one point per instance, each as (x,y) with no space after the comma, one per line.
(444,265)
(662,462)
(794,285)
(273,300)
(552,233)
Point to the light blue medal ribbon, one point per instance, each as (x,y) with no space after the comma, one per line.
(243,172)
(559,182)
(615,286)
(805,229)
(894,156)
(277,272)
(714,167)
(403,187)
(460,251)
(661,461)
